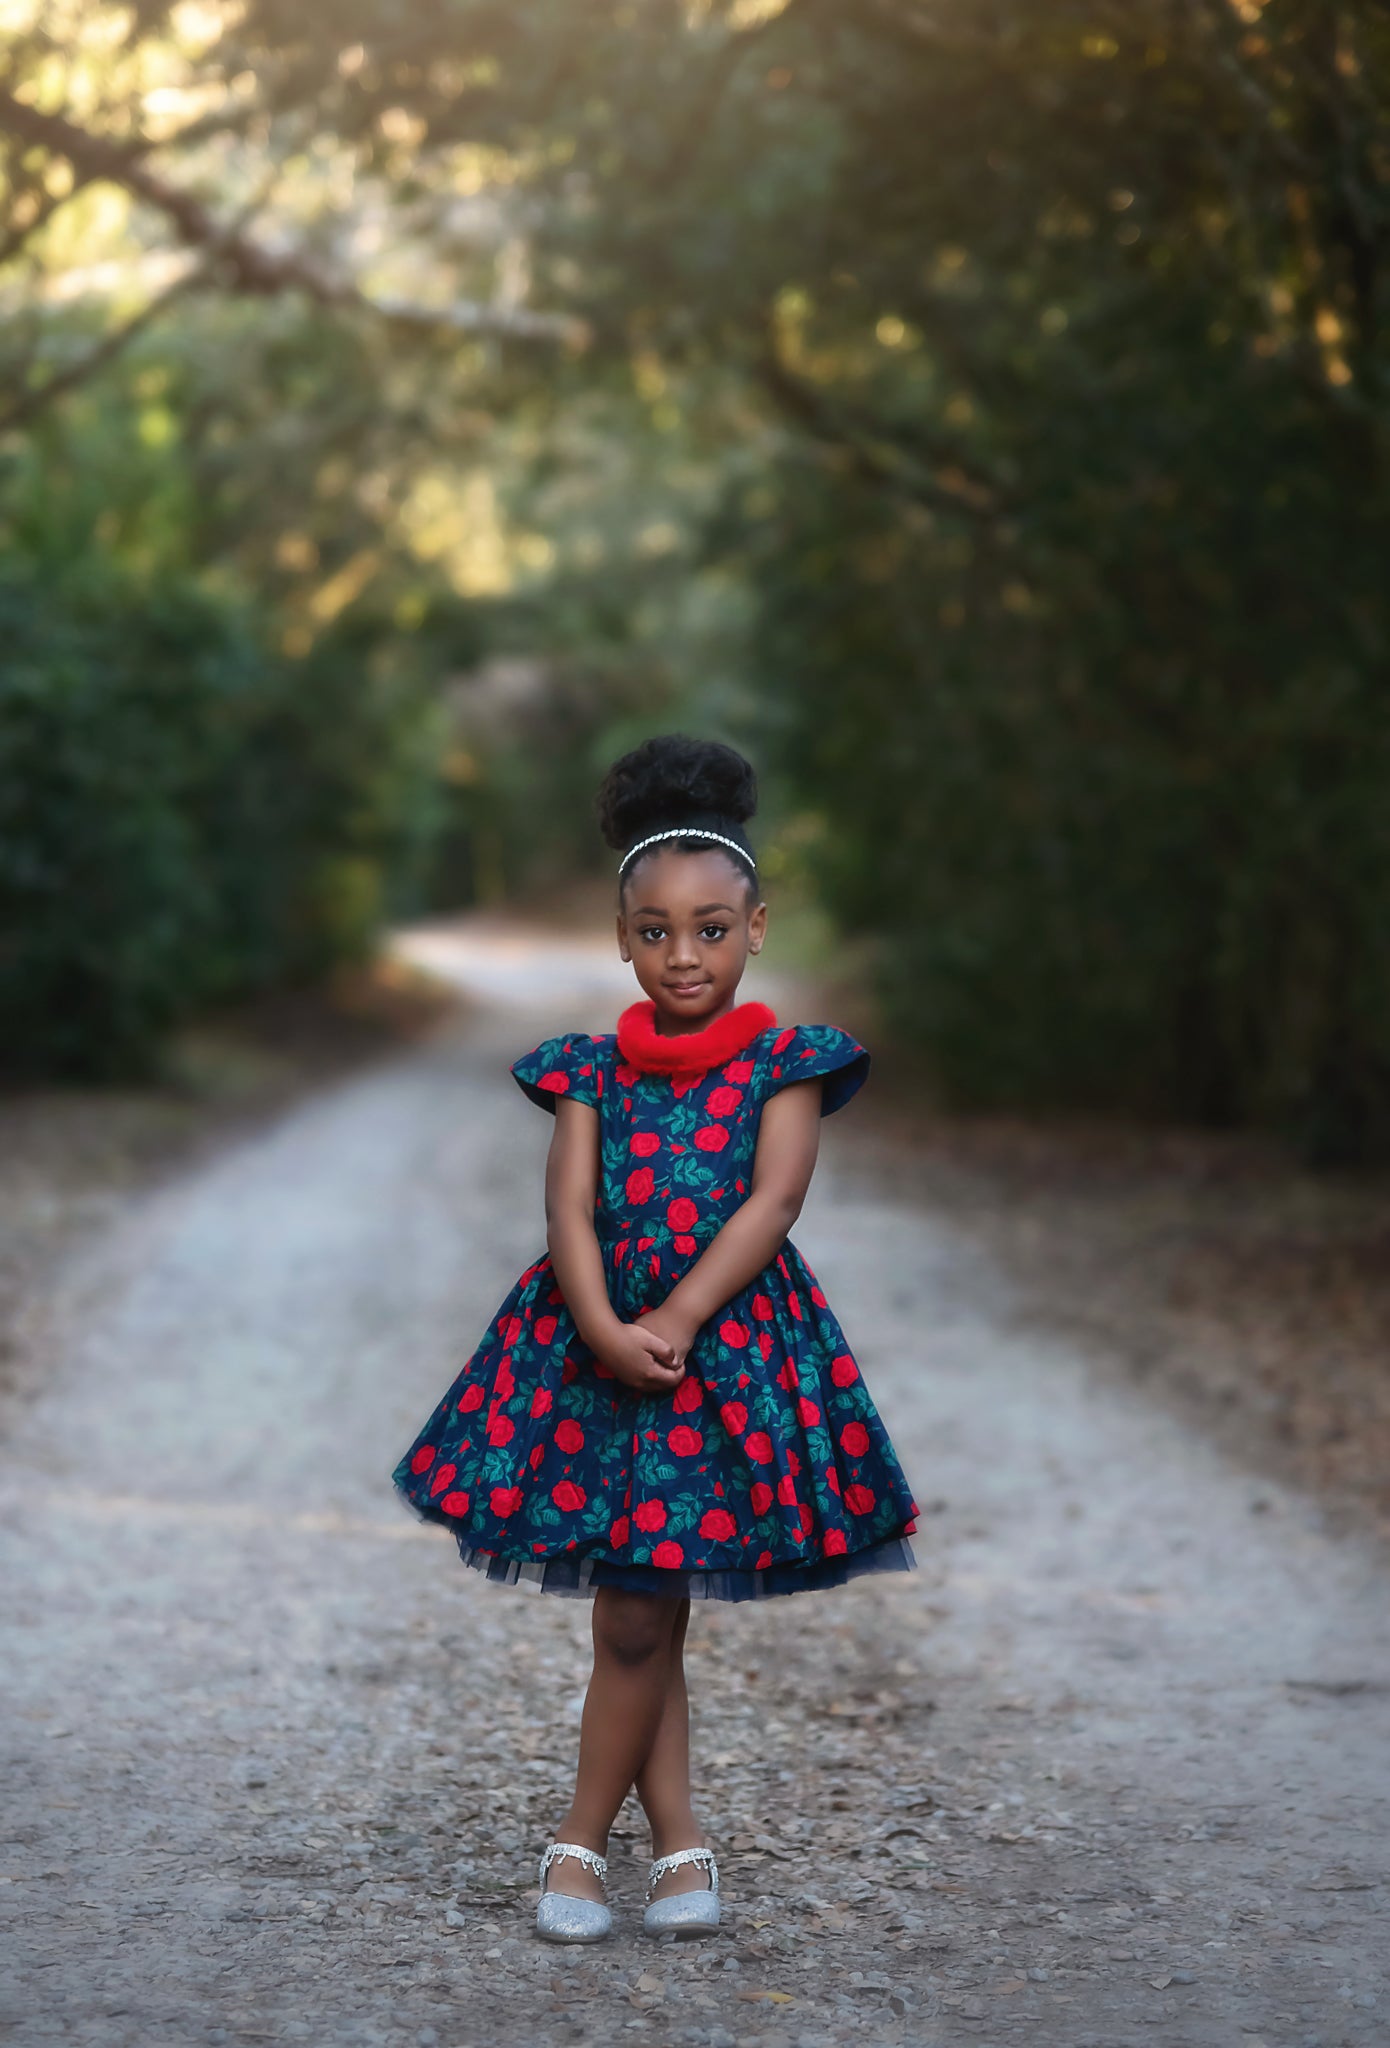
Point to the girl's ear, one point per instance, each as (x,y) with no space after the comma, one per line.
(624,950)
(757,929)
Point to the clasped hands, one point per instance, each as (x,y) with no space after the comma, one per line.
(648,1355)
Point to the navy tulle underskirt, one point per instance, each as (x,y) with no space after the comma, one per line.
(581,1577)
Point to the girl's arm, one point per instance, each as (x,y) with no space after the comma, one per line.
(641,1357)
(788,1139)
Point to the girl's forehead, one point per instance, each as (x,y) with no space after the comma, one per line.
(671,882)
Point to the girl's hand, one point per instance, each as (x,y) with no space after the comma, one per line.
(674,1328)
(641,1358)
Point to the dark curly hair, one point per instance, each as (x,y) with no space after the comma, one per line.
(670,779)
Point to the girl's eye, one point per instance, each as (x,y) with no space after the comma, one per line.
(712,932)
(651,933)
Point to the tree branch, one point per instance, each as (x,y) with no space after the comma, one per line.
(245,265)
(942,485)
(28,406)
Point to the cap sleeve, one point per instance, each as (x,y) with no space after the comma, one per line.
(811,1052)
(567,1066)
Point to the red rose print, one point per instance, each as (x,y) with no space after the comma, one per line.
(688,1395)
(786,1490)
(684,1245)
(765,1343)
(455,1504)
(537,1453)
(794,1304)
(808,1411)
(542,1401)
(793,1463)
(833,1543)
(644,1143)
(718,1524)
(759,1447)
(424,1457)
(501,1429)
(512,1333)
(734,1333)
(784,1039)
(739,1070)
(818,1298)
(685,1443)
(504,1500)
(554,1297)
(644,1244)
(545,1329)
(860,1499)
(683,1083)
(787,1376)
(473,1397)
(620,1251)
(504,1386)
(734,1417)
(762,1308)
(568,1497)
(555,1083)
(570,1371)
(760,1495)
(569,1436)
(640,1184)
(854,1439)
(441,1478)
(711,1138)
(627,1076)
(807,1518)
(617,1535)
(649,1515)
(682,1213)
(668,1556)
(764,1560)
(723,1101)
(843,1370)
(832,1479)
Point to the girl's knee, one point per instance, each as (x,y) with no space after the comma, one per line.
(632,1628)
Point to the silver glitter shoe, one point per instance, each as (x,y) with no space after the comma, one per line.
(560,1918)
(683,1914)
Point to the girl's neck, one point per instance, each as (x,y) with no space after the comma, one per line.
(667,1026)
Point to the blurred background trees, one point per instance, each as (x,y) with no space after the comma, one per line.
(977,412)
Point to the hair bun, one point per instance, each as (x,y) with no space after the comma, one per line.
(669,779)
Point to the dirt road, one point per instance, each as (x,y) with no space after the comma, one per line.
(1111,1767)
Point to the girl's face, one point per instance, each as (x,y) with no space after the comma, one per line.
(687,924)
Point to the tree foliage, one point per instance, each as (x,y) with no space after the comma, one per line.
(980,409)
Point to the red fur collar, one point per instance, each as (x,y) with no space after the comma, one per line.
(689,1052)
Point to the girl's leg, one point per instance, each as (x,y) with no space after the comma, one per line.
(623,1709)
(663,1783)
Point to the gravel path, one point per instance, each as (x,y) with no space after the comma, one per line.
(1110,1768)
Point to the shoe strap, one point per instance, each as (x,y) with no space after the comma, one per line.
(704,1857)
(598,1864)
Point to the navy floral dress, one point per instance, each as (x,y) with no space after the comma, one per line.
(767,1469)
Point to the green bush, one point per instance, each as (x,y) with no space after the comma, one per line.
(184,818)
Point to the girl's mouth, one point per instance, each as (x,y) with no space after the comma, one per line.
(685,988)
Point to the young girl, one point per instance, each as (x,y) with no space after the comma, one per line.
(664,1407)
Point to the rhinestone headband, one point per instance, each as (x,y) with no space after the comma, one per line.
(687,832)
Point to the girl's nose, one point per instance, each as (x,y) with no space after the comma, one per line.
(683,952)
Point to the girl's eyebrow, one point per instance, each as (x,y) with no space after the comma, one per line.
(701,910)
